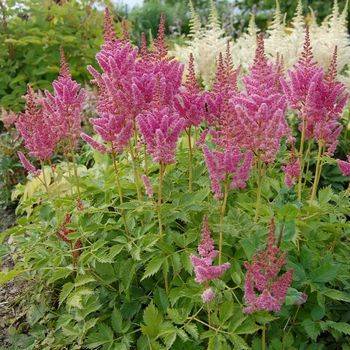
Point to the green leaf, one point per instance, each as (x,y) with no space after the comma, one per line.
(342,327)
(9,275)
(83,279)
(325,195)
(153,321)
(66,289)
(327,272)
(191,329)
(61,272)
(117,321)
(238,342)
(153,267)
(312,328)
(337,295)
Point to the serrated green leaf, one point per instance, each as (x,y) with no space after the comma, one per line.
(342,327)
(337,295)
(191,329)
(66,289)
(153,267)
(117,321)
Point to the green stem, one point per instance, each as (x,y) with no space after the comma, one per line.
(222,214)
(160,190)
(307,156)
(136,174)
(301,158)
(145,159)
(263,338)
(318,171)
(190,157)
(119,188)
(44,177)
(259,189)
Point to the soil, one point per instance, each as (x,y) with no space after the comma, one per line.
(11,292)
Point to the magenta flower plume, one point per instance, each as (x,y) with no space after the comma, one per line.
(264,288)
(208,295)
(203,265)
(302,78)
(108,27)
(8,118)
(160,48)
(260,122)
(324,107)
(93,143)
(160,130)
(28,165)
(189,103)
(292,171)
(64,107)
(148,186)
(113,129)
(39,137)
(229,165)
(344,166)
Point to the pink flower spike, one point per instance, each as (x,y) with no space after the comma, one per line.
(203,266)
(344,166)
(292,171)
(265,288)
(208,295)
(148,186)
(93,143)
(28,165)
(161,130)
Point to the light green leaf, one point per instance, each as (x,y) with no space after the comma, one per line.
(153,267)
(66,289)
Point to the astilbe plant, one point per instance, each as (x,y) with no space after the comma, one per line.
(265,288)
(344,166)
(319,101)
(203,266)
(261,109)
(63,108)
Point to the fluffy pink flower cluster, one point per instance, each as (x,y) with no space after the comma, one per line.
(160,129)
(63,108)
(48,120)
(317,97)
(344,166)
(8,118)
(228,165)
(260,122)
(138,85)
(189,102)
(263,277)
(203,265)
(148,186)
(292,171)
(39,137)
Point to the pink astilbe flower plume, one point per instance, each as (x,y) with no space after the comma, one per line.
(260,122)
(324,108)
(93,143)
(344,166)
(265,288)
(63,108)
(28,165)
(161,129)
(203,266)
(189,103)
(108,27)
(148,186)
(160,47)
(291,170)
(229,165)
(39,137)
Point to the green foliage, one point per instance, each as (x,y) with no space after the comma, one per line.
(31,34)
(136,290)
